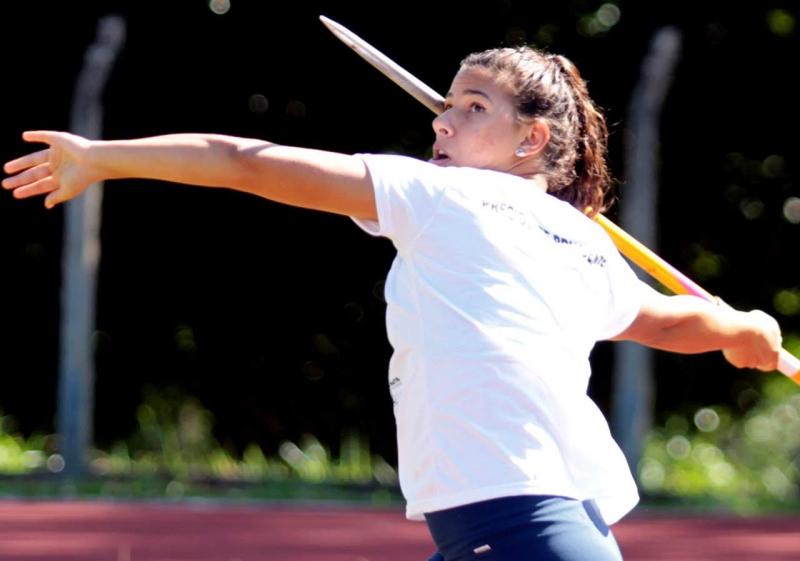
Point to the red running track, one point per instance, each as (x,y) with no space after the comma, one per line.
(114,531)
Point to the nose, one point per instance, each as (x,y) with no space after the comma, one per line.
(442,126)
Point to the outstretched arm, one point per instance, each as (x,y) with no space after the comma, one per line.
(687,324)
(315,179)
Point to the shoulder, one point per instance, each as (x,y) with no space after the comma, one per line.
(559,211)
(400,165)
(409,167)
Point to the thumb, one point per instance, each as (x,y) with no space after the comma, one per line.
(54,198)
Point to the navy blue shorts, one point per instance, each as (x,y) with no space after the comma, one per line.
(540,528)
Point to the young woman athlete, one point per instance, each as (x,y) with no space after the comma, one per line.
(500,288)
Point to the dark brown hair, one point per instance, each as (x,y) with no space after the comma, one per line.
(549,87)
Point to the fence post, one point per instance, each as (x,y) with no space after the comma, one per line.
(81,256)
(632,403)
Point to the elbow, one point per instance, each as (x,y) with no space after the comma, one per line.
(646,329)
(239,162)
(652,337)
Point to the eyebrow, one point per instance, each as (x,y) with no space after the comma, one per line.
(471,92)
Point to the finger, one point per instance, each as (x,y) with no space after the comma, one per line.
(56,197)
(773,361)
(765,361)
(29,176)
(40,187)
(47,137)
(25,162)
(766,367)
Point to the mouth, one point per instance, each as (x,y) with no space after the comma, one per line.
(439,156)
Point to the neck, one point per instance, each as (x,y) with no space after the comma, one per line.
(538,180)
(527,169)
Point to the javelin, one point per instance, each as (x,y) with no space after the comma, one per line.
(652,264)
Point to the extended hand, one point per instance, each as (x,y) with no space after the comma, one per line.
(61,171)
(760,345)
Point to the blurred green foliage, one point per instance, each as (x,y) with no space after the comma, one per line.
(174,440)
(18,454)
(744,461)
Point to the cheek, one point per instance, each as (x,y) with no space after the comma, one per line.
(486,137)
(489,142)
(495,142)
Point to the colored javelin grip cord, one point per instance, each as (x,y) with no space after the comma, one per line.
(647,260)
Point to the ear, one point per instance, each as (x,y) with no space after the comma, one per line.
(538,135)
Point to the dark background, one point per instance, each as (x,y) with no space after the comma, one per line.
(273,316)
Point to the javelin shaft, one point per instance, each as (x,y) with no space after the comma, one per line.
(647,260)
(651,263)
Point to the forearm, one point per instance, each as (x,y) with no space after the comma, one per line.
(688,324)
(195,159)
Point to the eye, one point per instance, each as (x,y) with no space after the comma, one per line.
(476,108)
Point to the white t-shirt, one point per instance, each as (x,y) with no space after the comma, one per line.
(495,299)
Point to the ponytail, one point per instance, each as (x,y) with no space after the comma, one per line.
(592,179)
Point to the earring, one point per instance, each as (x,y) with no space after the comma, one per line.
(520,152)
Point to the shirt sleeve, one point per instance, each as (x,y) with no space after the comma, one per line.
(626,300)
(407,192)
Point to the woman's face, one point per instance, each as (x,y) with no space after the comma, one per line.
(478,127)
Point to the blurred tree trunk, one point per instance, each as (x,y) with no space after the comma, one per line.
(633,399)
(81,256)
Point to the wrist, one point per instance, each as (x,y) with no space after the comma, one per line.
(99,160)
